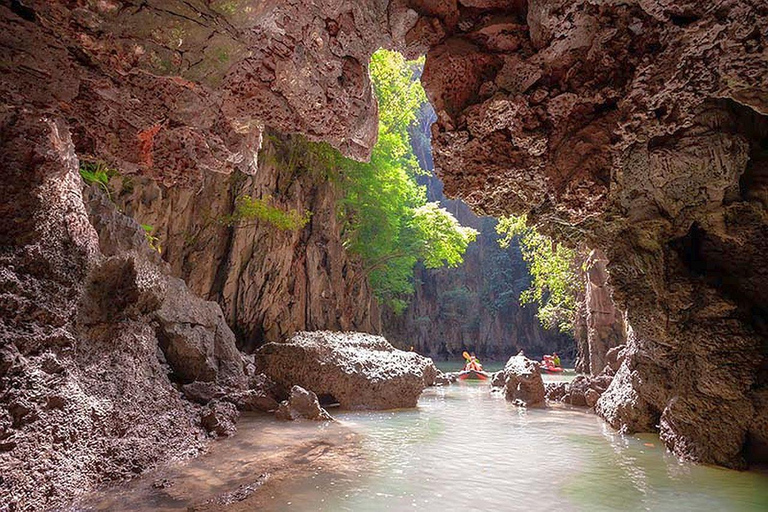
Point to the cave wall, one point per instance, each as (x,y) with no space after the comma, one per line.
(269,282)
(96,335)
(637,128)
(600,325)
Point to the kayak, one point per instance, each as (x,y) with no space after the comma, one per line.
(550,369)
(473,375)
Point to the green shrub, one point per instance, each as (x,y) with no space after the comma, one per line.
(249,208)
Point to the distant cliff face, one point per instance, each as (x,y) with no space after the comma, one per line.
(476,306)
(269,282)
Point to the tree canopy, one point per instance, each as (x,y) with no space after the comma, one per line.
(387,218)
(554,282)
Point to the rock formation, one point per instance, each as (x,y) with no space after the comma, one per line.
(474,307)
(301,404)
(638,128)
(269,282)
(359,371)
(94,332)
(521,379)
(600,325)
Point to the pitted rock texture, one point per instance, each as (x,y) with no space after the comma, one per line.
(85,393)
(359,371)
(301,404)
(173,88)
(269,282)
(522,382)
(638,129)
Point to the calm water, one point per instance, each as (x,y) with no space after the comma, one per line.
(464,448)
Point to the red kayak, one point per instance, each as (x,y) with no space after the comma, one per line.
(550,369)
(473,375)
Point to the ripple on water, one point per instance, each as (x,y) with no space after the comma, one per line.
(463,448)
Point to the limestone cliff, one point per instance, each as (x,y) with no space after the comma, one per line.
(600,325)
(270,282)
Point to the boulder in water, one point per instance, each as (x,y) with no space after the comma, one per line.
(522,382)
(359,371)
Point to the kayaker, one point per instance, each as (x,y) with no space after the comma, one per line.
(474,364)
(555,358)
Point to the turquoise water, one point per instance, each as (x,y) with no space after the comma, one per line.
(465,448)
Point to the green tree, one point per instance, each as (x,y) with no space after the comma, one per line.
(387,219)
(554,282)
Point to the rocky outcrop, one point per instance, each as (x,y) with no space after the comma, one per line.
(637,128)
(301,404)
(86,380)
(359,371)
(602,326)
(175,88)
(270,282)
(522,382)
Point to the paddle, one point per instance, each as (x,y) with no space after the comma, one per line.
(466,355)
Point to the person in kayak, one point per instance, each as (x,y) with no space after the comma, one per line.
(555,359)
(473,363)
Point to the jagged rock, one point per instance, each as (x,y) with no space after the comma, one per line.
(673,190)
(555,391)
(522,382)
(219,418)
(602,324)
(301,404)
(614,357)
(498,379)
(358,370)
(196,341)
(252,400)
(81,289)
(202,392)
(446,378)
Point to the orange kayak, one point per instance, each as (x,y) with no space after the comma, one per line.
(473,375)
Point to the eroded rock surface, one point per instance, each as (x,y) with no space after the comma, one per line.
(359,371)
(522,382)
(600,325)
(86,390)
(268,281)
(301,404)
(639,129)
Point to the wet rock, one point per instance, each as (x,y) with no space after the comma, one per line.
(357,370)
(301,404)
(522,382)
(555,391)
(498,379)
(219,418)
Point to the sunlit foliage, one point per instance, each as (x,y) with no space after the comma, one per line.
(387,219)
(554,281)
